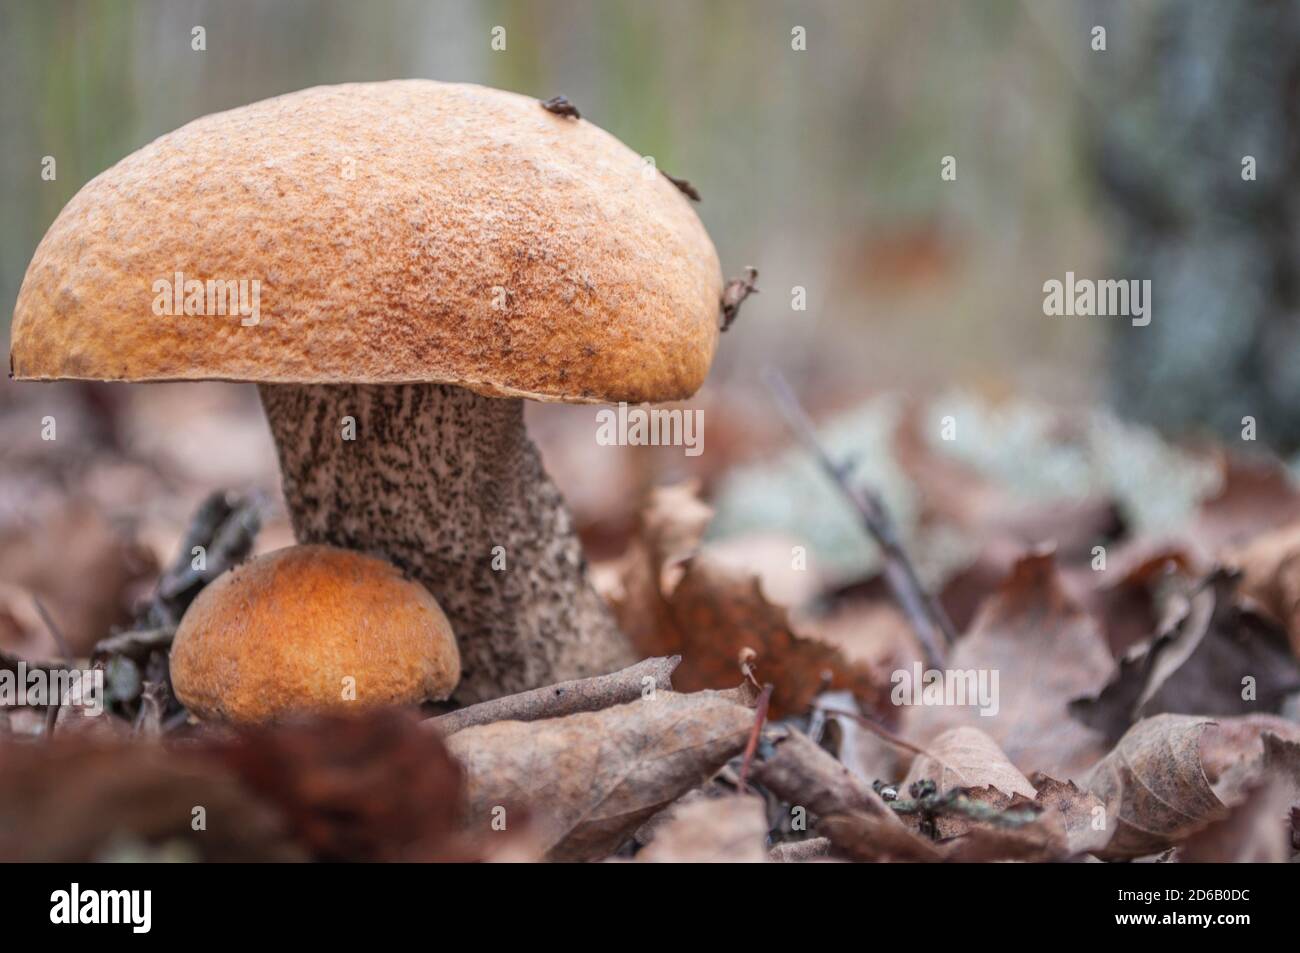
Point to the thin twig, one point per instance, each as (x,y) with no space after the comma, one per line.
(566,698)
(876,729)
(760,718)
(933,629)
(52,711)
(136,644)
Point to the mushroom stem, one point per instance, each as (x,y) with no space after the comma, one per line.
(446,484)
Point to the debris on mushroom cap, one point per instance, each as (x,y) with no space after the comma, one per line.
(561,106)
(311,628)
(734,294)
(399,232)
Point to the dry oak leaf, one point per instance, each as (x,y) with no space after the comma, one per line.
(677,599)
(588,781)
(729,830)
(1081,812)
(1045,650)
(1155,787)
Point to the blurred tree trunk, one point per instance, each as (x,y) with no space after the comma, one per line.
(1185,91)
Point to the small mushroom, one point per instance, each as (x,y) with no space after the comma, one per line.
(310,629)
(427,256)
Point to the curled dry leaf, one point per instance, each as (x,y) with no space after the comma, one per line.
(678,600)
(1201,662)
(589,780)
(1044,650)
(712,830)
(1154,786)
(1234,752)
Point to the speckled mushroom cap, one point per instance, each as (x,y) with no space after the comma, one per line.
(408,231)
(294,630)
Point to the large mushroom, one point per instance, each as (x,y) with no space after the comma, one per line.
(398,266)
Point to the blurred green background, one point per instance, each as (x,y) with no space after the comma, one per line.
(820,167)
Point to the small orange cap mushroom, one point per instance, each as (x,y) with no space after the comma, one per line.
(311,628)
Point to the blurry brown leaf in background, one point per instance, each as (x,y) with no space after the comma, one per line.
(1046,650)
(677,599)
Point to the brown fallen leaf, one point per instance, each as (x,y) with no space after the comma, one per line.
(84,571)
(677,599)
(729,830)
(1081,812)
(1256,831)
(1154,786)
(865,838)
(800,772)
(965,760)
(1045,650)
(372,787)
(589,780)
(1256,495)
(1270,567)
(1282,763)
(1235,751)
(79,798)
(1201,662)
(870,839)
(965,757)
(1128,598)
